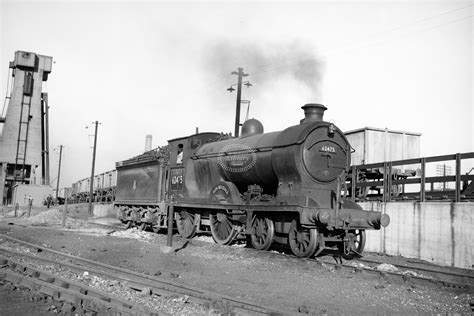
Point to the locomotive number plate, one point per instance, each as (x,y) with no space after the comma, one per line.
(176,179)
(328,149)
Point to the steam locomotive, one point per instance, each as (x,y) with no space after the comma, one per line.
(279,187)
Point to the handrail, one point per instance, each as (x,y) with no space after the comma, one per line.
(388,179)
(413,161)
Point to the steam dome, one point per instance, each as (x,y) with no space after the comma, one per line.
(251,127)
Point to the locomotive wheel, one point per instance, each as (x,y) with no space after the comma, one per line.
(129,224)
(185,225)
(156,229)
(303,242)
(263,231)
(161,223)
(356,244)
(143,226)
(222,229)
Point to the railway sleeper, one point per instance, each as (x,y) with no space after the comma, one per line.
(75,293)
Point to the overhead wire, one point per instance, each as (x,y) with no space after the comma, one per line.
(380,41)
(447,23)
(289,65)
(400,27)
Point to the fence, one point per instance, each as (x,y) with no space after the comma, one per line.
(390,184)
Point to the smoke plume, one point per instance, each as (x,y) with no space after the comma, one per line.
(267,61)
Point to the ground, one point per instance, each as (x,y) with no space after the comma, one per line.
(14,301)
(269,278)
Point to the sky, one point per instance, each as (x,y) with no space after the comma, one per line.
(163,68)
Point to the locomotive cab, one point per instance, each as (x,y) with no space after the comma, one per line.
(181,151)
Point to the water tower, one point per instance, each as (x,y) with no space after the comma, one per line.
(24,148)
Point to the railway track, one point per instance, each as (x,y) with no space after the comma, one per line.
(457,278)
(419,274)
(410,275)
(134,280)
(107,226)
(73,295)
(423,273)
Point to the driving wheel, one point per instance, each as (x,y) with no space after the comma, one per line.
(263,231)
(222,229)
(185,224)
(303,242)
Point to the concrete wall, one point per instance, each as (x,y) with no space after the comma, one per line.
(104,210)
(38,193)
(98,210)
(441,232)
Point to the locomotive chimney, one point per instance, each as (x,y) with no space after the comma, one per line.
(313,112)
(148,142)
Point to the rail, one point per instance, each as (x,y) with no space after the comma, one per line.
(139,281)
(390,183)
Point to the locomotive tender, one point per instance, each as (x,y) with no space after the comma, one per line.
(282,187)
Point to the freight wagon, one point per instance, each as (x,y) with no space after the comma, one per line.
(103,188)
(374,145)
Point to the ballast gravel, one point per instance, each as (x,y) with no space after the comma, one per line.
(264,277)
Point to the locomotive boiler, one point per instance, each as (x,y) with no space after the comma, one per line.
(279,187)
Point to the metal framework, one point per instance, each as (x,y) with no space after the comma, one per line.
(388,185)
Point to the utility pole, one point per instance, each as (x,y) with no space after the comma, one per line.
(240,73)
(93,166)
(59,171)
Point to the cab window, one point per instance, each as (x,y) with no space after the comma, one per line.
(179,155)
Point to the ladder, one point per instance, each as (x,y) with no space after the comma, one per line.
(23,127)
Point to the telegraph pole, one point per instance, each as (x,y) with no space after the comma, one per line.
(93,166)
(240,74)
(59,171)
